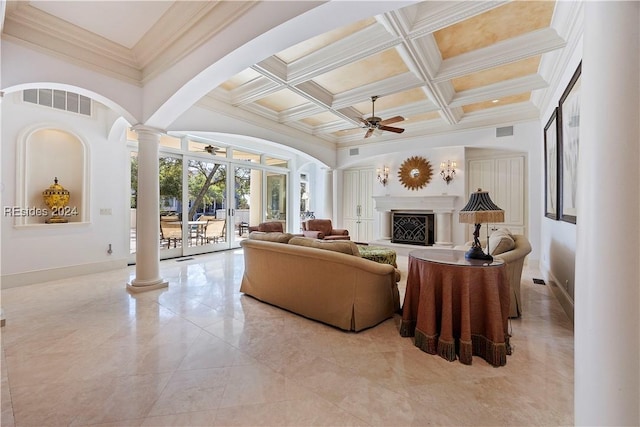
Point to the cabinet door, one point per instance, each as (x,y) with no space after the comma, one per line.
(509,190)
(358,211)
(504,179)
(351,183)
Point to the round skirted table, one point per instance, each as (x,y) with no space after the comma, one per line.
(455,307)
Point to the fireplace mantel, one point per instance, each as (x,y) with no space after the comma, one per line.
(444,203)
(443,206)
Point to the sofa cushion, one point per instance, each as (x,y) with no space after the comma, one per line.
(344,246)
(271,237)
(500,242)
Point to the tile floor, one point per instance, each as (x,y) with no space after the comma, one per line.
(83,352)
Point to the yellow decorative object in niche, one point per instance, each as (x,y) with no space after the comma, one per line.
(415,172)
(56,197)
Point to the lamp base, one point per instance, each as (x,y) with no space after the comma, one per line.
(476,252)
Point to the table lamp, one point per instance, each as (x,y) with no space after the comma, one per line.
(480,209)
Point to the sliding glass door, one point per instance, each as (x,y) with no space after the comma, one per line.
(205,209)
(209,196)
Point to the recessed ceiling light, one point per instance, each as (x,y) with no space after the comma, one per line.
(495,101)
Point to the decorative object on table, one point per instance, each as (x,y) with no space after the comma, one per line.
(448,171)
(56,197)
(479,209)
(383,175)
(415,172)
(569,142)
(551,159)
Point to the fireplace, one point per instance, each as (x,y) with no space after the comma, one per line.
(413,228)
(440,207)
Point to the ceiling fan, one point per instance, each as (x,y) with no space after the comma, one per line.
(376,123)
(212,150)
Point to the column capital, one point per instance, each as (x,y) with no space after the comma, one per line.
(141,129)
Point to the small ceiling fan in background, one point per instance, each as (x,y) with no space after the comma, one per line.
(212,150)
(376,123)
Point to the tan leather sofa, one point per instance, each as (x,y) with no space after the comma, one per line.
(321,280)
(515,263)
(513,254)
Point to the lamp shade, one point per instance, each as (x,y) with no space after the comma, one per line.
(480,208)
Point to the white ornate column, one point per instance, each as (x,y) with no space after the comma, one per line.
(607,294)
(443,229)
(148,213)
(2,320)
(385,225)
(327,200)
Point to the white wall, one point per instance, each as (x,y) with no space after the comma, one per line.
(526,139)
(41,251)
(558,238)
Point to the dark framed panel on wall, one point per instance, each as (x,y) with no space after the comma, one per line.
(551,158)
(569,142)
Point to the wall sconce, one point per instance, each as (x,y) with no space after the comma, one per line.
(448,170)
(383,175)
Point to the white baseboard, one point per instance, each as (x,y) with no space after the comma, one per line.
(39,276)
(565,300)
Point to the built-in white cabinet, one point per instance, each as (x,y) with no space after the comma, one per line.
(504,179)
(357,202)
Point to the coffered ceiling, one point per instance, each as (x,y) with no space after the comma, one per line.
(440,66)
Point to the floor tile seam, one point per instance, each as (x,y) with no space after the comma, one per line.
(359,376)
(5,376)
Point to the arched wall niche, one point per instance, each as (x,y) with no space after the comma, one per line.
(48,153)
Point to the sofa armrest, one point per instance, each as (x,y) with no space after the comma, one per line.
(339,232)
(313,234)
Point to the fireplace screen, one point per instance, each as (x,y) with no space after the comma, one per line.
(414,228)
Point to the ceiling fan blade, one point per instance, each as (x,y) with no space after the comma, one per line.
(390,120)
(369,133)
(391,129)
(365,122)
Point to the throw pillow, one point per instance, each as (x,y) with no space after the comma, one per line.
(344,246)
(271,237)
(500,242)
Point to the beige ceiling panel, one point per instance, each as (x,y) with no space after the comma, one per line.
(494,75)
(513,99)
(282,100)
(369,70)
(502,23)
(239,79)
(431,115)
(321,119)
(349,132)
(316,43)
(392,101)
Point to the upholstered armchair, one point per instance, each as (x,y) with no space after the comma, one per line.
(323,229)
(268,227)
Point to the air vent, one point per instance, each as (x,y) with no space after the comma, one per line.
(58,99)
(354,151)
(504,131)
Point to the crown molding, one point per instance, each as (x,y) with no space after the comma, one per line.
(498,90)
(429,17)
(33,28)
(501,53)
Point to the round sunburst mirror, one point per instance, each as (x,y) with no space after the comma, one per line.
(415,172)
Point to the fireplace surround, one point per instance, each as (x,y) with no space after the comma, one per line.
(442,207)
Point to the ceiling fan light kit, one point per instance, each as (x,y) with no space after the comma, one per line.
(374,123)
